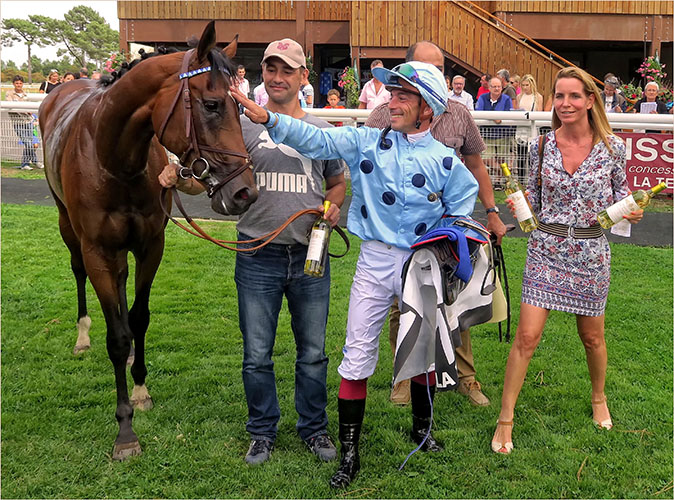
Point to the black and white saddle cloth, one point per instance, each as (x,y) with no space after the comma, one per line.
(448,286)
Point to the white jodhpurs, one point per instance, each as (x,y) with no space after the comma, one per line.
(377,282)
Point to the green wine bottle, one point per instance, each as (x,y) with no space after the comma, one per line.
(639,199)
(317,253)
(523,211)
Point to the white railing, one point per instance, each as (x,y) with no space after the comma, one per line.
(512,148)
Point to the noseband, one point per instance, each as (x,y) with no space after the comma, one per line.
(186,172)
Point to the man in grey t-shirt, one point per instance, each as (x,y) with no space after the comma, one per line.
(287,182)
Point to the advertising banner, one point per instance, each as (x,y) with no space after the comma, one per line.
(650,160)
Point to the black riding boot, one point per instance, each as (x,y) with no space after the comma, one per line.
(351,412)
(421,416)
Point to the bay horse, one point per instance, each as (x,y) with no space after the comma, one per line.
(103,154)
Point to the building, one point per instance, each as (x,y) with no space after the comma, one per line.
(536,37)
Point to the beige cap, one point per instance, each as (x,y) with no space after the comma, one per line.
(288,50)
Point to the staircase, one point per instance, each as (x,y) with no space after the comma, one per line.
(463,31)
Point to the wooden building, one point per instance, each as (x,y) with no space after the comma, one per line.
(476,37)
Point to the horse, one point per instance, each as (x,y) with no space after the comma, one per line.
(103,154)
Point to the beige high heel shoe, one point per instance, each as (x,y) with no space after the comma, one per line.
(502,448)
(604,424)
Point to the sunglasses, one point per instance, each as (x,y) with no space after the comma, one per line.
(408,71)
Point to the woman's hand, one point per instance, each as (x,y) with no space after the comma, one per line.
(257,114)
(635,216)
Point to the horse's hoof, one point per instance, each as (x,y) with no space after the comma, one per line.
(125,450)
(79,349)
(143,404)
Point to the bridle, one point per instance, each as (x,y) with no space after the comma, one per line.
(200,174)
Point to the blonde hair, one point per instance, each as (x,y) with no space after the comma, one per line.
(601,129)
(529,78)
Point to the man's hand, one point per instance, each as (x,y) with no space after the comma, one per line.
(496,226)
(257,114)
(168,177)
(333,214)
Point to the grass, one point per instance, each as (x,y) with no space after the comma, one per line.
(58,411)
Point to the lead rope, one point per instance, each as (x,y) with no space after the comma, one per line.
(265,239)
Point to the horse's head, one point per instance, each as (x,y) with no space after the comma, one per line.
(197,119)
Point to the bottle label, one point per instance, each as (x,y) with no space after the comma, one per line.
(623,207)
(315,250)
(522,211)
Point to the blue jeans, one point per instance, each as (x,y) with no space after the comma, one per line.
(25,132)
(262,279)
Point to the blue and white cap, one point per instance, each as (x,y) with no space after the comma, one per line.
(423,76)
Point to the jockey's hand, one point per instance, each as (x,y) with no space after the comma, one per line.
(333,214)
(168,177)
(257,114)
(496,226)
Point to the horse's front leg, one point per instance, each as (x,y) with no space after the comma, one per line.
(105,275)
(147,263)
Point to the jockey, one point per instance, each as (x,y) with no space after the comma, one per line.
(403,183)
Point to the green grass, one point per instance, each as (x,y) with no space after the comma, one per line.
(58,411)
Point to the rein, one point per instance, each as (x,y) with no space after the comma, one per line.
(265,239)
(186,172)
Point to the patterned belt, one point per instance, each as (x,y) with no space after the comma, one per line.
(565,231)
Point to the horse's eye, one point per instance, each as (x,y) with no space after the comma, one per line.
(211,106)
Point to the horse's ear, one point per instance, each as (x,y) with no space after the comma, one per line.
(230,50)
(207,41)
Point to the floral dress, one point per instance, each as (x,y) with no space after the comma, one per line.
(564,273)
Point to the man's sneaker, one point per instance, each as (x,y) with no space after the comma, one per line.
(473,390)
(259,451)
(322,447)
(26,167)
(39,165)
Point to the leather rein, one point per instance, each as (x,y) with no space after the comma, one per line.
(264,240)
(187,172)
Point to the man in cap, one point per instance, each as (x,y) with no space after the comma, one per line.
(455,128)
(287,182)
(394,174)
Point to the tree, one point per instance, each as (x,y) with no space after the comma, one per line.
(22,30)
(86,35)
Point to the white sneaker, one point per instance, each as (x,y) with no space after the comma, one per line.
(39,165)
(26,167)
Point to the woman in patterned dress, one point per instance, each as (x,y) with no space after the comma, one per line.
(582,173)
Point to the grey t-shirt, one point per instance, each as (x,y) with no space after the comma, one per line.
(287,182)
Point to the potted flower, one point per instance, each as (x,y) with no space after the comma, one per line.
(348,80)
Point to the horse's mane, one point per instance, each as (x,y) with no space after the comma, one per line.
(219,63)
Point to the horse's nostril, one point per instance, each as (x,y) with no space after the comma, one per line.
(243,194)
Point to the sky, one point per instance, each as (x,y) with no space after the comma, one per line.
(53,8)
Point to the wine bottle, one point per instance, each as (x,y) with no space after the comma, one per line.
(317,253)
(639,199)
(523,211)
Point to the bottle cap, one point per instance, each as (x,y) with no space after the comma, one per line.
(506,170)
(658,187)
(326,205)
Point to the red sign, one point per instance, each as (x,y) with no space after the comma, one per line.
(650,160)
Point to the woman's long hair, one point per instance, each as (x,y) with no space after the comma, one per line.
(597,116)
(529,78)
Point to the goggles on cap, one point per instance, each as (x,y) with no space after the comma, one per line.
(408,71)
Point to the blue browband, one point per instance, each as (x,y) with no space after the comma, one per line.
(194,72)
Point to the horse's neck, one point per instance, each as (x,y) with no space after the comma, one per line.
(124,128)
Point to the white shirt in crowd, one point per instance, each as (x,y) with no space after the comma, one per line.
(244,87)
(464,98)
(371,97)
